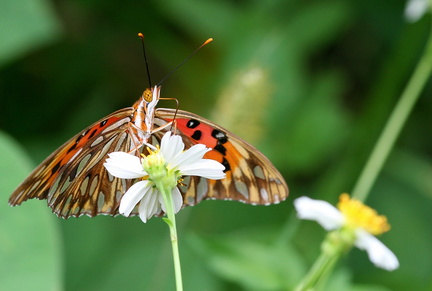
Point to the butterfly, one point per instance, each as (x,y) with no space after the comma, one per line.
(74,181)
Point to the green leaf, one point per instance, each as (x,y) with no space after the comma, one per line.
(30,257)
(341,279)
(251,262)
(29,23)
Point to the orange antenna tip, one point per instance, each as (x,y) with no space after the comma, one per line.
(185,60)
(140,35)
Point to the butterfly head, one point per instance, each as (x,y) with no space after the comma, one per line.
(147,95)
(151,94)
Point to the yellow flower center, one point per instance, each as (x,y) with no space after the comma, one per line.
(154,164)
(158,170)
(359,215)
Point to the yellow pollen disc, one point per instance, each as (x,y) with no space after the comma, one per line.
(359,215)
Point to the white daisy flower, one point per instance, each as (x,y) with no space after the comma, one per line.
(356,218)
(415,9)
(169,163)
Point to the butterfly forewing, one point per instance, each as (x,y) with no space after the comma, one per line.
(73,178)
(250,176)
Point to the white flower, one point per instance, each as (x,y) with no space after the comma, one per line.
(415,9)
(169,163)
(355,216)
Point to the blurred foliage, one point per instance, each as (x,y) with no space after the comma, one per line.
(318,80)
(30,249)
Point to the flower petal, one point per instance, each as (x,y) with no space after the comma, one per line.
(123,165)
(378,253)
(176,198)
(415,9)
(190,156)
(149,205)
(321,211)
(132,196)
(206,168)
(171,146)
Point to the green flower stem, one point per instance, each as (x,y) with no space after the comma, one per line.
(394,124)
(321,266)
(334,245)
(170,220)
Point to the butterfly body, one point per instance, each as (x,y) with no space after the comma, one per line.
(74,181)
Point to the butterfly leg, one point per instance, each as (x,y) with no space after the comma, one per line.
(173,123)
(162,127)
(140,137)
(136,140)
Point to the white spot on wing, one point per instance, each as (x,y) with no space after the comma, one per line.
(119,143)
(101,200)
(116,125)
(97,141)
(82,164)
(264,194)
(258,172)
(276,180)
(202,189)
(110,177)
(97,157)
(34,186)
(242,188)
(75,155)
(93,185)
(84,185)
(40,170)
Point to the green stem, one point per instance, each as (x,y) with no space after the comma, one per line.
(331,250)
(315,273)
(170,220)
(394,124)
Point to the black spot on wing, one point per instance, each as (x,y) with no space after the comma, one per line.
(79,138)
(197,135)
(72,174)
(192,123)
(55,168)
(72,147)
(219,135)
(92,133)
(226,165)
(220,148)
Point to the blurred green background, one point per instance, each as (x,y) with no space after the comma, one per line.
(310,83)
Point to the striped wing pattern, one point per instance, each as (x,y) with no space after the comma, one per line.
(73,179)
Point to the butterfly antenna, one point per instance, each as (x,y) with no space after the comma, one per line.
(185,60)
(140,35)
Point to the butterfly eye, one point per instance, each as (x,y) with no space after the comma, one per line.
(147,95)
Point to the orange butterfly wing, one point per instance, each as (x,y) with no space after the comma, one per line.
(73,178)
(250,176)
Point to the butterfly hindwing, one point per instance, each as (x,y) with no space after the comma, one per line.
(250,176)
(73,179)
